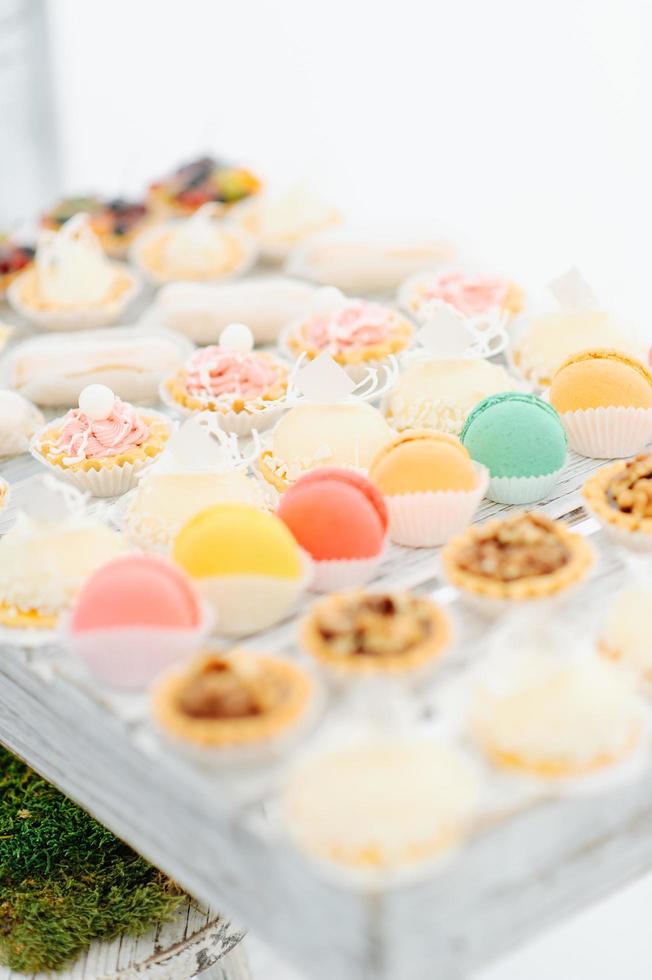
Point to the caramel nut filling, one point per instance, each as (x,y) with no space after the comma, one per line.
(375,625)
(522,546)
(220,690)
(630,491)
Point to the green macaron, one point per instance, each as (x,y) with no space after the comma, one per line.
(515,434)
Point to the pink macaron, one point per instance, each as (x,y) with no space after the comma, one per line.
(134,617)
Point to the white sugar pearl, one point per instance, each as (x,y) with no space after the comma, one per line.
(328,299)
(238,337)
(96,401)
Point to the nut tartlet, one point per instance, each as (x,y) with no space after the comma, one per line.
(620,496)
(375,633)
(231,700)
(523,556)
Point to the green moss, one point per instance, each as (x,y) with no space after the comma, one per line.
(64,879)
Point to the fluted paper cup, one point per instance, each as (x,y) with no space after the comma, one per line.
(130,658)
(240,424)
(430,518)
(635,540)
(521,489)
(107,480)
(339,575)
(89,318)
(608,433)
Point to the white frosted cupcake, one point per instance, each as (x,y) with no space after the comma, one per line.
(73,285)
(555,716)
(104,445)
(439,394)
(202,248)
(383,805)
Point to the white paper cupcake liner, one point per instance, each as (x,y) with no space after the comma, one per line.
(84,319)
(335,575)
(428,519)
(240,424)
(28,637)
(244,604)
(130,658)
(107,481)
(640,541)
(521,489)
(356,372)
(608,433)
(492,606)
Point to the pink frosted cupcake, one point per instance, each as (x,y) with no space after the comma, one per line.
(244,387)
(102,446)
(472,295)
(355,332)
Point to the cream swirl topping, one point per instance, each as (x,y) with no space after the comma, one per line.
(82,437)
(357,324)
(472,295)
(218,372)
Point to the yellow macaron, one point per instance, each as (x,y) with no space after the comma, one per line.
(236,539)
(423,461)
(601,378)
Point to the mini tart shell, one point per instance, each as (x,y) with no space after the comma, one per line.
(554,769)
(268,473)
(176,388)
(533,587)
(363,665)
(27,293)
(9,277)
(595,492)
(13,618)
(233,732)
(400,337)
(159,433)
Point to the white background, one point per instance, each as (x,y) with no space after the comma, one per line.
(521,125)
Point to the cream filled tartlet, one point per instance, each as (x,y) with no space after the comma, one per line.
(279,222)
(72,285)
(353,331)
(624,634)
(472,295)
(103,445)
(557,717)
(439,394)
(202,248)
(243,387)
(348,434)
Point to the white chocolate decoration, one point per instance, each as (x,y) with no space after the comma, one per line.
(96,401)
(237,337)
(71,266)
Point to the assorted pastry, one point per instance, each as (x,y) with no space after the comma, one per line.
(382,430)
(72,285)
(116,221)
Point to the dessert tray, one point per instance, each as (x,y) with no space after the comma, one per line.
(537,849)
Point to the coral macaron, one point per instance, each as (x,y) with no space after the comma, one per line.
(134,617)
(339,517)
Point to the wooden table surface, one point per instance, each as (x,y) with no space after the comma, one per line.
(220,838)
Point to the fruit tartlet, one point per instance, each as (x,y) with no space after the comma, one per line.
(382,806)
(19,420)
(604,398)
(200,182)
(202,248)
(521,440)
(510,560)
(104,445)
(431,487)
(14,259)
(311,435)
(439,394)
(362,633)
(232,702)
(620,497)
(134,617)
(557,718)
(72,284)
(245,388)
(233,552)
(624,634)
(115,221)
(472,295)
(339,518)
(355,332)
(43,566)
